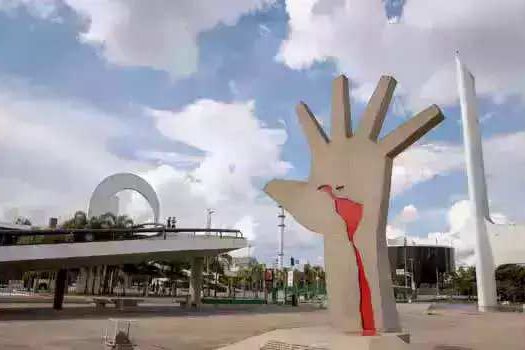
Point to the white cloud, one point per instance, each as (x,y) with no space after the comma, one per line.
(256,218)
(459,232)
(363,92)
(409,213)
(53,151)
(422,163)
(393,232)
(238,148)
(506,188)
(45,9)
(248,226)
(160,34)
(238,152)
(175,158)
(418,50)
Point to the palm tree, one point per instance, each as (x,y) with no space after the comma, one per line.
(245,277)
(257,276)
(107,220)
(79,220)
(123,221)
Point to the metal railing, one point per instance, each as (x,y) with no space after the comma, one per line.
(56,236)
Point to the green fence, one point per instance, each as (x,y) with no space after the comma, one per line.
(294,295)
(233,301)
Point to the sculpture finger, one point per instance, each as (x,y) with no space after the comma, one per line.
(341,127)
(411,131)
(374,115)
(313,131)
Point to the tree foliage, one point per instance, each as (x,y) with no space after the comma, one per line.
(104,221)
(464,280)
(510,281)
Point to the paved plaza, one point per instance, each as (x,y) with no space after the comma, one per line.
(163,326)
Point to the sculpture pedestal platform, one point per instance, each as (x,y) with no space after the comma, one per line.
(321,338)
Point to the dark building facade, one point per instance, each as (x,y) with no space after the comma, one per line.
(426,262)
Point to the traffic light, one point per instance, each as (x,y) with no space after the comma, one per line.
(292,261)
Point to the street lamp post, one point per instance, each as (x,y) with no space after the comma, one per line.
(280,255)
(209,212)
(405,266)
(412,282)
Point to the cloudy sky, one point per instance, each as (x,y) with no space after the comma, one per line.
(198,97)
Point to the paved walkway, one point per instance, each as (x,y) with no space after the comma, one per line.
(167,327)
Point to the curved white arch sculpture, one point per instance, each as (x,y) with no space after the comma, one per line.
(102,200)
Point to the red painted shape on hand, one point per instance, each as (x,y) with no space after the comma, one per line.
(352,212)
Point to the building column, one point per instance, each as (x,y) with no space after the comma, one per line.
(60,289)
(97,280)
(82,280)
(36,282)
(197,266)
(92,280)
(126,283)
(102,284)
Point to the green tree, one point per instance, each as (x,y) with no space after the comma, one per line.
(123,221)
(510,281)
(257,277)
(104,221)
(464,281)
(78,221)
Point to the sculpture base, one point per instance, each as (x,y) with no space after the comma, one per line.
(321,338)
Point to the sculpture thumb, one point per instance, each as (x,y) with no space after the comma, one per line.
(287,193)
(300,198)
(282,192)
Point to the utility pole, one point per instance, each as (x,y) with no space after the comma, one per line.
(280,255)
(405,253)
(209,212)
(413,283)
(437,281)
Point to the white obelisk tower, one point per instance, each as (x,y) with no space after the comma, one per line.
(477,188)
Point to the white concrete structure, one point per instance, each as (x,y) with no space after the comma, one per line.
(74,255)
(495,244)
(11,226)
(104,200)
(319,338)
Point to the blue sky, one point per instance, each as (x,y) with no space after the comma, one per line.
(81,84)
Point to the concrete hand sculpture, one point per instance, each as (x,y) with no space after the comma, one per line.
(346,198)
